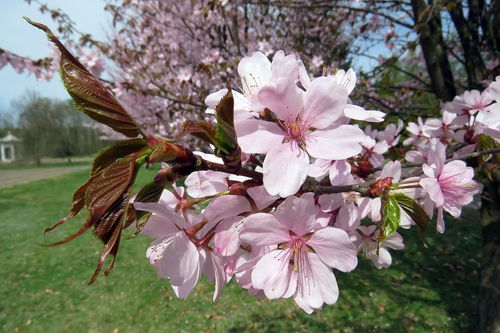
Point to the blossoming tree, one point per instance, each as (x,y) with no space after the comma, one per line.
(293,190)
(297,184)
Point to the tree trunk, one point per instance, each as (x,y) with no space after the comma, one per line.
(488,303)
(430,34)
(468,32)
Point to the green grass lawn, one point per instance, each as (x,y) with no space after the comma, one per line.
(45,289)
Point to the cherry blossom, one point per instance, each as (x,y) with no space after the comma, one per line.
(450,186)
(366,239)
(300,261)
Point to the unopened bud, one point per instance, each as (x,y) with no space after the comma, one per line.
(379,187)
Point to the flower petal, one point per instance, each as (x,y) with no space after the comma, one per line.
(284,99)
(297,214)
(358,113)
(324,102)
(334,248)
(263,229)
(163,211)
(273,274)
(258,136)
(285,169)
(335,144)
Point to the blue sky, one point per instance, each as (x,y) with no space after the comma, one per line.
(19,37)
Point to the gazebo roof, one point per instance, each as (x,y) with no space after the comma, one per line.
(9,138)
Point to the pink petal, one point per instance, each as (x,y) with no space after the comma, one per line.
(382,260)
(358,113)
(162,211)
(258,136)
(346,79)
(205,183)
(431,186)
(226,206)
(159,227)
(297,214)
(226,238)
(214,98)
(214,269)
(375,206)
(394,241)
(319,168)
(285,169)
(261,197)
(305,80)
(340,173)
(391,169)
(183,291)
(331,202)
(255,72)
(272,274)
(348,217)
(335,144)
(285,99)
(263,229)
(316,288)
(182,260)
(334,248)
(440,227)
(284,67)
(324,102)
(325,278)
(429,171)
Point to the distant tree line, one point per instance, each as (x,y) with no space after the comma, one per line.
(51,128)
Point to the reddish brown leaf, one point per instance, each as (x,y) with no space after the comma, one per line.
(111,248)
(82,229)
(109,186)
(89,93)
(199,129)
(109,155)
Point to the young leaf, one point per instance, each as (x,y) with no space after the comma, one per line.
(121,149)
(225,134)
(88,92)
(416,213)
(199,129)
(109,186)
(391,217)
(485,142)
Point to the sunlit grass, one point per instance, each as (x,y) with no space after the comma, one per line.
(45,289)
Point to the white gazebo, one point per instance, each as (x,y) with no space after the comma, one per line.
(7,148)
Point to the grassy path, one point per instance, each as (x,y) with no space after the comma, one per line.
(45,290)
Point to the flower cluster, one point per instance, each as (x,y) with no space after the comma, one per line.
(324,193)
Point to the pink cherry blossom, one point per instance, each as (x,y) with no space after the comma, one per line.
(469,102)
(304,128)
(366,239)
(301,257)
(182,252)
(206,183)
(450,186)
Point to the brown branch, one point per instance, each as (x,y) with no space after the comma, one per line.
(203,164)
